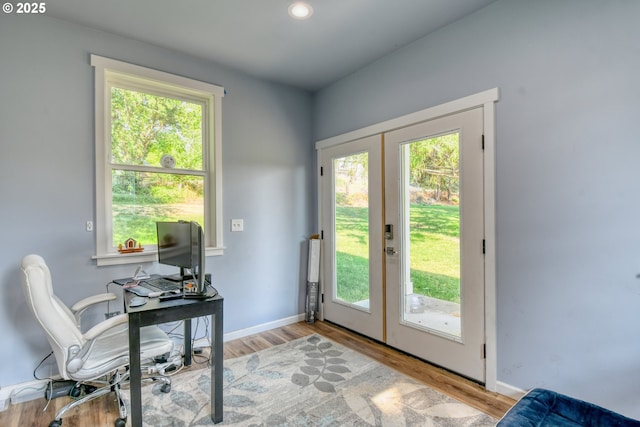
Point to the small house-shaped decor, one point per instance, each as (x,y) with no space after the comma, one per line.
(130,245)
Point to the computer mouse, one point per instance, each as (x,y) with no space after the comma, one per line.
(137,301)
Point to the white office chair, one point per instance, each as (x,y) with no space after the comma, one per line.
(99,355)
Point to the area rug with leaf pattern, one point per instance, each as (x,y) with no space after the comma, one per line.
(307,382)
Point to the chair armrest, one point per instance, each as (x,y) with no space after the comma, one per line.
(85,303)
(82,305)
(105,325)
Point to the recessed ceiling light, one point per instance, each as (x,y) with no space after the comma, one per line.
(300,10)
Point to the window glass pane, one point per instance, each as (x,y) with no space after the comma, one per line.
(146,127)
(352,229)
(140,199)
(433,214)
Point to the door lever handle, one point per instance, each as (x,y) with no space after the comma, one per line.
(390,250)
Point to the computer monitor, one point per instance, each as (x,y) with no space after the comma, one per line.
(174,244)
(181,244)
(198,253)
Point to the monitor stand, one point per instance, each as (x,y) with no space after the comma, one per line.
(177,277)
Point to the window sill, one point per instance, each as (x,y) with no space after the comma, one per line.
(140,257)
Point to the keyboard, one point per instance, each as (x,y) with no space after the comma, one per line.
(162,284)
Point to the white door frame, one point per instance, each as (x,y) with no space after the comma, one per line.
(486,100)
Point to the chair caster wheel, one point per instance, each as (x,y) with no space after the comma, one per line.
(55,423)
(121,422)
(166,388)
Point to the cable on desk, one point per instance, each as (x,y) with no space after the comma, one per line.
(171,331)
(35,376)
(207,336)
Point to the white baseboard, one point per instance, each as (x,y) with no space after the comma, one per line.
(241,333)
(509,390)
(4,401)
(12,393)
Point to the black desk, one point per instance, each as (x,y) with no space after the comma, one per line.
(155,312)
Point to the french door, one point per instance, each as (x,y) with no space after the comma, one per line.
(352,207)
(402,220)
(435,269)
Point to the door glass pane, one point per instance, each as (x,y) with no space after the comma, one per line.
(351,190)
(431,214)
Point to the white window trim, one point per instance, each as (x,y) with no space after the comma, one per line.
(105,255)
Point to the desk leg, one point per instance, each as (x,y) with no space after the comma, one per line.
(187,342)
(217,352)
(135,371)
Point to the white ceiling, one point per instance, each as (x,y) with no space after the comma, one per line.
(259,38)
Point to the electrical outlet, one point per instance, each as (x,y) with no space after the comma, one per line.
(89,226)
(237,225)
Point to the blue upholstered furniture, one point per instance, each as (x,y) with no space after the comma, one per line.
(545,408)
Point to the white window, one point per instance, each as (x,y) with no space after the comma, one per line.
(157,158)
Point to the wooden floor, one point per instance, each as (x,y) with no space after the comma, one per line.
(103,411)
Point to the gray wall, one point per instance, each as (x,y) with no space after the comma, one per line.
(47,180)
(568,200)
